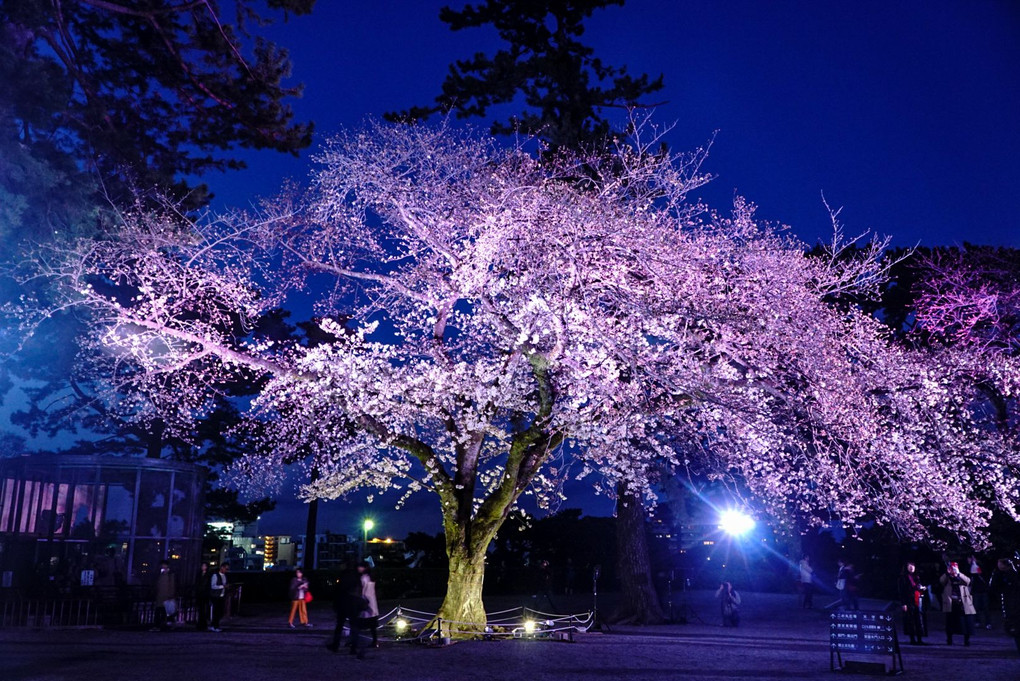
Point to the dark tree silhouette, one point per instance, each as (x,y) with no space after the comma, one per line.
(135,95)
(566,89)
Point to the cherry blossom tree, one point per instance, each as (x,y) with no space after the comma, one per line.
(971,296)
(968,308)
(499,323)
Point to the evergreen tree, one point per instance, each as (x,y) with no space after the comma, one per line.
(113,98)
(566,89)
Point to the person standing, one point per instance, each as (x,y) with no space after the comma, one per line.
(347,605)
(729,604)
(1004,589)
(298,589)
(368,618)
(979,591)
(218,595)
(545,584)
(957,604)
(807,582)
(912,593)
(166,596)
(202,597)
(846,585)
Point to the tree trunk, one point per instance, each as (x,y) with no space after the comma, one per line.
(311,527)
(639,603)
(154,439)
(462,612)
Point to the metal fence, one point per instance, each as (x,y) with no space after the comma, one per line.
(99,609)
(78,612)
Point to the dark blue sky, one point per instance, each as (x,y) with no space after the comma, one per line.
(904,113)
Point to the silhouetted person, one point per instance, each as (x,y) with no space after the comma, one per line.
(218,595)
(729,604)
(202,597)
(1004,588)
(545,584)
(347,603)
(807,582)
(911,594)
(847,585)
(979,592)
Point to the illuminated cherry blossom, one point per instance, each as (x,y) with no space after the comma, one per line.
(504,322)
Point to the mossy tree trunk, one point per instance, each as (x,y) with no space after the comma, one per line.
(462,612)
(470,525)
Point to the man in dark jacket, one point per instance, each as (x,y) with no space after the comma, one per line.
(202,597)
(1004,588)
(347,605)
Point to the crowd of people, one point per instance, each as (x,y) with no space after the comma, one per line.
(965,597)
(355,604)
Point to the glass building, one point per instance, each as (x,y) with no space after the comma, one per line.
(68,521)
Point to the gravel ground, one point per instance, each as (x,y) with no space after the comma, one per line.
(776,640)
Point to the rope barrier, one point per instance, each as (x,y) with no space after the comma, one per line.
(411,625)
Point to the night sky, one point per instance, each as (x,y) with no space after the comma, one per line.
(905,114)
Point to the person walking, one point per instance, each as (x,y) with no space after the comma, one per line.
(298,605)
(729,604)
(202,597)
(911,594)
(347,604)
(807,582)
(218,595)
(957,604)
(368,617)
(1004,589)
(166,597)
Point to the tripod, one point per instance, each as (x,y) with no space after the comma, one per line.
(686,614)
(597,622)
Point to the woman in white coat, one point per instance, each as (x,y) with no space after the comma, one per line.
(368,618)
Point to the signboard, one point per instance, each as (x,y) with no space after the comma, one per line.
(868,632)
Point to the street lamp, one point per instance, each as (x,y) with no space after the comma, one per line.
(367,525)
(736,523)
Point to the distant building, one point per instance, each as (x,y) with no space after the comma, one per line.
(281,553)
(73,520)
(332,551)
(388,553)
(240,545)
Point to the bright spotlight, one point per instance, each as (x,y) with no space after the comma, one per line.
(736,523)
(401,626)
(529,627)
